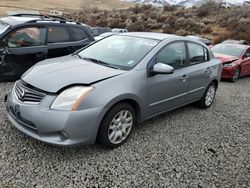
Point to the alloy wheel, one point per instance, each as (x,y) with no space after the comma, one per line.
(210,95)
(236,75)
(120,127)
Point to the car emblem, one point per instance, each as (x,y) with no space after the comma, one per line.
(22,94)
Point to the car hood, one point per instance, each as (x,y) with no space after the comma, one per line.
(225,58)
(54,74)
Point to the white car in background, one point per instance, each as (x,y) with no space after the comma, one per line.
(119,30)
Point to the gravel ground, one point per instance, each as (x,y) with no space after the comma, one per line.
(188,147)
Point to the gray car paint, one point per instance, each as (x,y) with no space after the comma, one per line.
(152,95)
(65,71)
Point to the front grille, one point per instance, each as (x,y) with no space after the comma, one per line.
(28,94)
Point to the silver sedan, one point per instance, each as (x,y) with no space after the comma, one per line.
(101,92)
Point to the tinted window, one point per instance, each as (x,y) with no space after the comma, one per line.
(94,31)
(173,54)
(27,37)
(104,30)
(197,53)
(58,34)
(79,33)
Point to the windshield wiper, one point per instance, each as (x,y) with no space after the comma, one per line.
(98,62)
(77,55)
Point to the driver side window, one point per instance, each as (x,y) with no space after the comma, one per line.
(27,37)
(173,54)
(247,55)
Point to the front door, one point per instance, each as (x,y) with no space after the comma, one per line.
(168,91)
(24,48)
(245,65)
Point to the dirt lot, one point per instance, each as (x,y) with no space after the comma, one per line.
(188,147)
(63,5)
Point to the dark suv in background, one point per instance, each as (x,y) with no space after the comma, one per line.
(26,39)
(96,31)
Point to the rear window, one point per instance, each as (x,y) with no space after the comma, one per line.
(58,34)
(79,33)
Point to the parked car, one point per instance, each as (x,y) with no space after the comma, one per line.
(235,59)
(119,30)
(230,41)
(104,90)
(204,40)
(26,39)
(96,31)
(104,35)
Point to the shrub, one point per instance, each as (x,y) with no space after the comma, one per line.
(166,28)
(206,30)
(138,26)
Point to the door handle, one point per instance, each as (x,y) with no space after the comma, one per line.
(184,78)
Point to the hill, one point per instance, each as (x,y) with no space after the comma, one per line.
(185,3)
(63,5)
(210,20)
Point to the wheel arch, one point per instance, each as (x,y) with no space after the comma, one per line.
(216,82)
(136,105)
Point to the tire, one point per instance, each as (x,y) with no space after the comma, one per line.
(236,75)
(115,129)
(208,97)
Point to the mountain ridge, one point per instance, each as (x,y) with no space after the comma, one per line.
(185,3)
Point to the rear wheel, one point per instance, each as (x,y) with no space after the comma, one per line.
(117,125)
(208,97)
(236,75)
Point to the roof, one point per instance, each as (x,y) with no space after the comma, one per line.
(15,20)
(24,18)
(151,35)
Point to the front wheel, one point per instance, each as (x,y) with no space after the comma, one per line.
(209,96)
(236,75)
(117,125)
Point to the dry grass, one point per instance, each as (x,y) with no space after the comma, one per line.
(63,5)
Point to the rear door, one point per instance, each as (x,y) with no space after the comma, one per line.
(200,70)
(24,48)
(245,65)
(80,36)
(168,91)
(59,41)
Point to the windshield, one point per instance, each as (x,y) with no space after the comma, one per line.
(123,52)
(3,26)
(232,50)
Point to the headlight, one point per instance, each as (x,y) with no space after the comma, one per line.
(229,64)
(70,98)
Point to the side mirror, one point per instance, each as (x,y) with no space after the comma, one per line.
(161,68)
